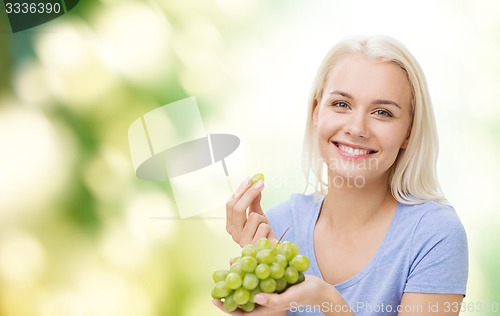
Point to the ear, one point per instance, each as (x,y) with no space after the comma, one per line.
(407,140)
(315,109)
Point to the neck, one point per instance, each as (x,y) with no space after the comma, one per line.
(350,206)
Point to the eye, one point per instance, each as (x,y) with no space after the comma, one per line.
(341,104)
(383,113)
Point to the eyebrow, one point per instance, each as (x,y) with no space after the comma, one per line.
(378,101)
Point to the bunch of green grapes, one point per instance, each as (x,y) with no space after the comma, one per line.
(260,268)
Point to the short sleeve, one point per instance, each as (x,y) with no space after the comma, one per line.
(438,254)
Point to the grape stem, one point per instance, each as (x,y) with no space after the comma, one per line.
(283,235)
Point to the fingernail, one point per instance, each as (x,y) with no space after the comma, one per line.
(260,299)
(259,185)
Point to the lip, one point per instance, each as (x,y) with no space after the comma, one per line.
(344,154)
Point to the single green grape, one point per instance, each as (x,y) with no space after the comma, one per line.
(249,250)
(250,281)
(229,303)
(248,307)
(265,256)
(215,295)
(236,267)
(277,270)
(257,177)
(300,262)
(220,290)
(219,275)
(268,285)
(288,249)
(233,280)
(281,285)
(235,260)
(241,296)
(281,260)
(291,275)
(262,271)
(301,278)
(248,264)
(263,243)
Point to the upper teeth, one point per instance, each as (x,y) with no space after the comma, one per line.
(353,151)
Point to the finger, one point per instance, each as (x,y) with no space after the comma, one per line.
(220,306)
(275,301)
(253,222)
(239,216)
(241,188)
(232,201)
(258,311)
(271,236)
(283,300)
(255,205)
(263,231)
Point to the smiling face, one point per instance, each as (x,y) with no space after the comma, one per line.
(363,117)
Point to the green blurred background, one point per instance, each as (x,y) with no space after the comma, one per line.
(81,235)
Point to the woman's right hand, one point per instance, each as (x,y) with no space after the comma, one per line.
(247,229)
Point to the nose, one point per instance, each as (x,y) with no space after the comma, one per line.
(356,125)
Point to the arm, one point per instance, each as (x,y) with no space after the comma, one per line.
(422,304)
(438,274)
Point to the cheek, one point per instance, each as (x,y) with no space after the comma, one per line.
(324,130)
(395,139)
(326,124)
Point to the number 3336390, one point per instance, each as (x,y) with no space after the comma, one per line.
(33,8)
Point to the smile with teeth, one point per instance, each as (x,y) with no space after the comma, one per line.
(354,151)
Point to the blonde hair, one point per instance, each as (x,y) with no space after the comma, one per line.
(413,178)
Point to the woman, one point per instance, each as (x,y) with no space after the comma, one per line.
(380,238)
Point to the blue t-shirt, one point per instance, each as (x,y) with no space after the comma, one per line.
(424,251)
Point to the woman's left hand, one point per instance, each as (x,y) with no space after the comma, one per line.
(310,292)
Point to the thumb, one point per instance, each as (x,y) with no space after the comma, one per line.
(275,301)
